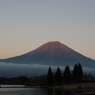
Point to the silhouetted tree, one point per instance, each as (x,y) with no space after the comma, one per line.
(38,81)
(80,73)
(77,73)
(58,77)
(50,77)
(67,75)
(22,79)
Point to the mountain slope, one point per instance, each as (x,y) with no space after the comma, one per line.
(52,53)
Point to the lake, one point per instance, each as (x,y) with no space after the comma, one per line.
(34,91)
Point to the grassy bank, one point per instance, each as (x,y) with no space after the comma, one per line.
(84,86)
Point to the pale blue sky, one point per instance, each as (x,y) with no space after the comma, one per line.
(27,24)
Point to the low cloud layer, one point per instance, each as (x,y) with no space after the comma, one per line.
(13,70)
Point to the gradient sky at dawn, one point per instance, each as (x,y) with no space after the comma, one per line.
(27,24)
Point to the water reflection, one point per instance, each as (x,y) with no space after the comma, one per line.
(36,91)
(54,92)
(61,92)
(68,92)
(58,92)
(49,92)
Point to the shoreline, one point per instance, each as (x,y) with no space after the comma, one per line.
(77,86)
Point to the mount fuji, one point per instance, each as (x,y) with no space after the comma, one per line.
(52,53)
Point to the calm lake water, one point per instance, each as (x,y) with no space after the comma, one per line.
(34,91)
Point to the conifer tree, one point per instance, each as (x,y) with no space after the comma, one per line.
(75,73)
(80,73)
(58,77)
(67,75)
(49,77)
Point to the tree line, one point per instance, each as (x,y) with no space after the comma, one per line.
(52,78)
(67,77)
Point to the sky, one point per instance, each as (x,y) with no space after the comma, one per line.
(28,24)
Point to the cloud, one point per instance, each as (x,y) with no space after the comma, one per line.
(24,65)
(13,70)
(88,69)
(2,64)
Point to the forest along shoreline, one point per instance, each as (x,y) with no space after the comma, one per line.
(71,80)
(74,80)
